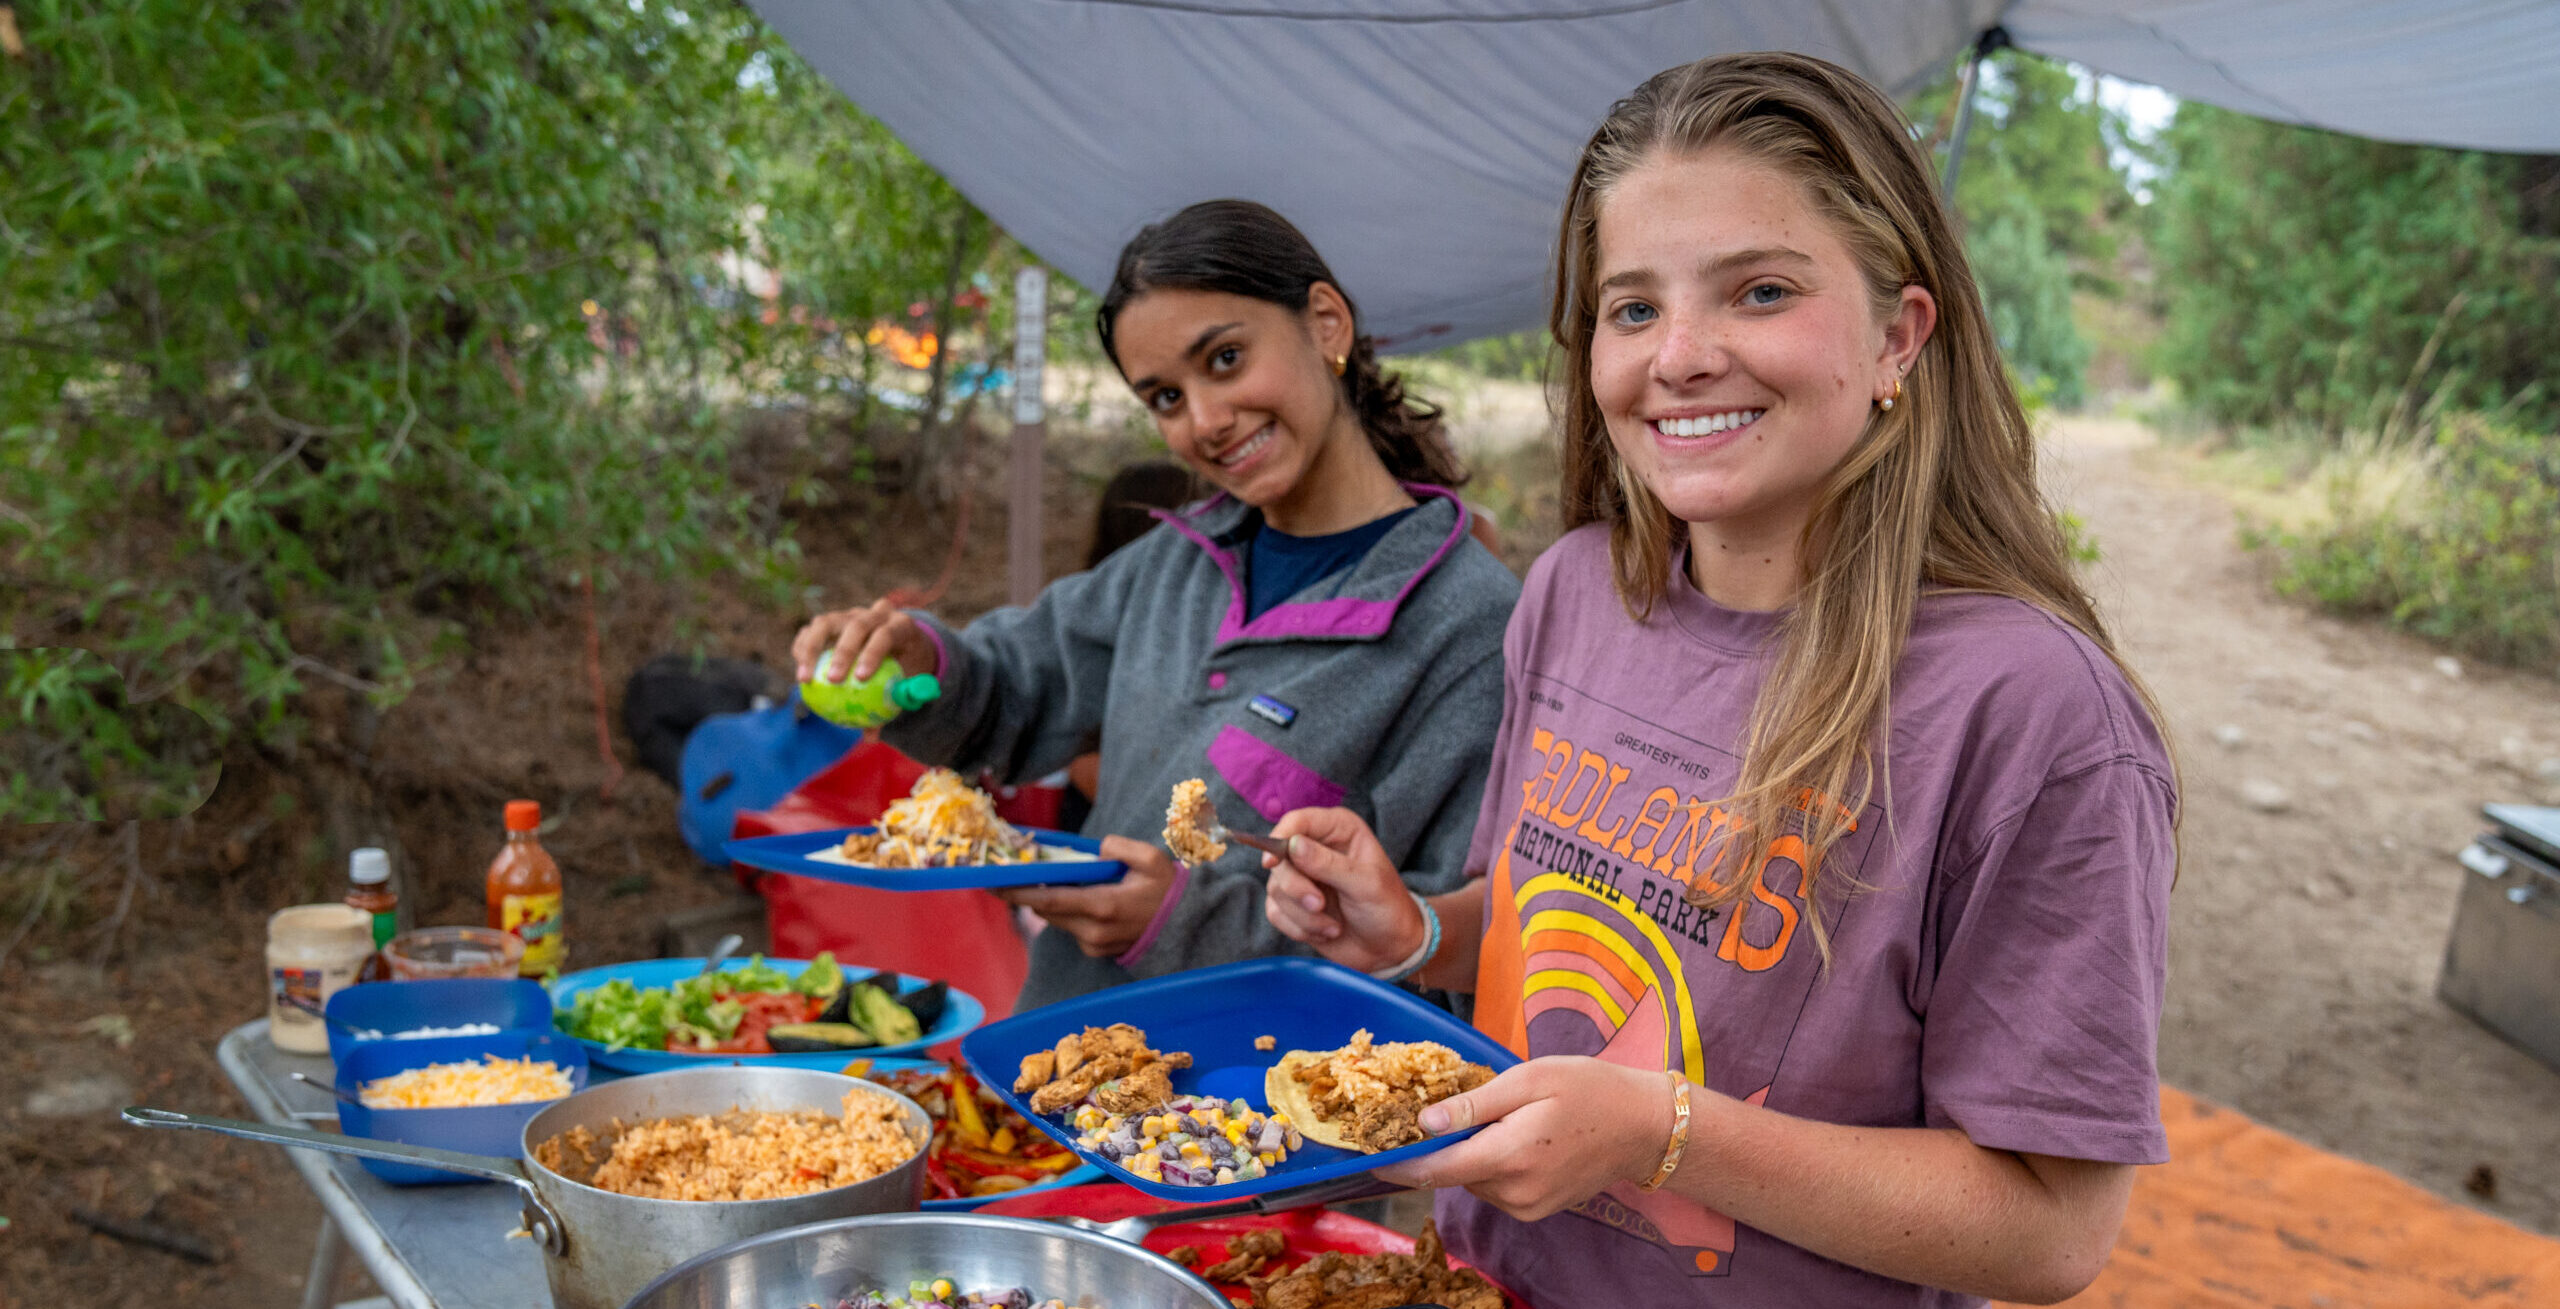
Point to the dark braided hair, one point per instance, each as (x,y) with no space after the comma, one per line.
(1242,248)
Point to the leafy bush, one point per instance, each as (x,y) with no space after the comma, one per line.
(2041,198)
(2354,285)
(353,323)
(73,749)
(2026,288)
(2473,562)
(1518,357)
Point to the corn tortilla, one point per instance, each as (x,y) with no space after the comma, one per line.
(1288,1095)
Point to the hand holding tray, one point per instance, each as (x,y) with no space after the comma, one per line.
(1214,1015)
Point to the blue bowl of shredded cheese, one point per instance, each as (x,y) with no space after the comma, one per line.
(467,1093)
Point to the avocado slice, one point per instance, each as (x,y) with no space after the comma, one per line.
(926,1002)
(816,1038)
(880,1014)
(839,1002)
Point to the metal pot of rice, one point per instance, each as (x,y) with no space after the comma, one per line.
(624,1181)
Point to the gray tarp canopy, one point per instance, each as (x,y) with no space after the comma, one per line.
(1424,144)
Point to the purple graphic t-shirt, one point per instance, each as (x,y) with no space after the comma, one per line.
(1998,966)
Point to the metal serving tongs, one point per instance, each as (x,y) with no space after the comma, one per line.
(1133,1229)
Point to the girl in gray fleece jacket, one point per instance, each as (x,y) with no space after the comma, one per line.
(1324,631)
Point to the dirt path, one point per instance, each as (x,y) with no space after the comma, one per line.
(2331,771)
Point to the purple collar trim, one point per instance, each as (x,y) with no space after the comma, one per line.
(1343,617)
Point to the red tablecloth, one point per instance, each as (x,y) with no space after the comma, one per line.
(1309,1232)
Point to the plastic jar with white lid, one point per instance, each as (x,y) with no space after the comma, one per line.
(313,952)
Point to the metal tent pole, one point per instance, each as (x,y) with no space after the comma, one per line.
(1992,40)
(1023,570)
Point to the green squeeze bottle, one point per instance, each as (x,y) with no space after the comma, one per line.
(866,704)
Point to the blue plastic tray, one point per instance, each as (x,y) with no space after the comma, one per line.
(1214,1014)
(795,852)
(962,1013)
(486,1129)
(513,1003)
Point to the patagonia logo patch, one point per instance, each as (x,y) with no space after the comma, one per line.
(1273,710)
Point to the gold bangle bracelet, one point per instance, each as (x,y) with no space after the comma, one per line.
(1679,1134)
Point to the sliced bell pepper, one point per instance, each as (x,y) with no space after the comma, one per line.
(988,1161)
(965,1118)
(945,1186)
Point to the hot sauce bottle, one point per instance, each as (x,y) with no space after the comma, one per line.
(369,889)
(524,891)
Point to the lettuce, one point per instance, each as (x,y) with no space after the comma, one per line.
(822,978)
(688,1014)
(619,1015)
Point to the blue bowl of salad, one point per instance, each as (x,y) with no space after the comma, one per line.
(655,1015)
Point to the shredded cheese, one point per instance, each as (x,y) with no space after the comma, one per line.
(944,821)
(453,1086)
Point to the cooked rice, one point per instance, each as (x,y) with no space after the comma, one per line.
(1186,823)
(943,822)
(745,1154)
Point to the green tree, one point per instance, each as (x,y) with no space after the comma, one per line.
(356,323)
(2041,198)
(862,233)
(2352,285)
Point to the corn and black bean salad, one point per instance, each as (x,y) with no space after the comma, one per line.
(1194,1141)
(939,1293)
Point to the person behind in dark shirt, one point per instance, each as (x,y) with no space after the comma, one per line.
(1121,516)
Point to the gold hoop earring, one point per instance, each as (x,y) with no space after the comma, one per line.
(1886,404)
(1340,362)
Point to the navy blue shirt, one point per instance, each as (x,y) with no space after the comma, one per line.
(1279,565)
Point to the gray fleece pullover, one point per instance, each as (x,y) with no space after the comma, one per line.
(1377,689)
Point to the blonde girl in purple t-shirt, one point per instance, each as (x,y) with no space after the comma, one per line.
(1827,843)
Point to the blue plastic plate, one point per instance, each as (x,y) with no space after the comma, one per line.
(512,1003)
(483,1129)
(1214,1014)
(1072,861)
(961,1014)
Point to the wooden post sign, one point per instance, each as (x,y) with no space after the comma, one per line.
(1023,570)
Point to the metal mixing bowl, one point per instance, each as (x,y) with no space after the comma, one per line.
(822,1263)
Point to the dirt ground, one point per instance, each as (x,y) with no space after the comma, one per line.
(2331,770)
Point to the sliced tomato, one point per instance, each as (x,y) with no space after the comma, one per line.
(765,1010)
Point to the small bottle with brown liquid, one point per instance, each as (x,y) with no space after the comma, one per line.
(369,889)
(524,892)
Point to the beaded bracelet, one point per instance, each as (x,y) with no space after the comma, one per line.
(1679,1134)
(1430,945)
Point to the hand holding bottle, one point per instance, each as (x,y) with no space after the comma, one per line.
(862,640)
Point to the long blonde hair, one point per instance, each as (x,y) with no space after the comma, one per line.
(1939,492)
